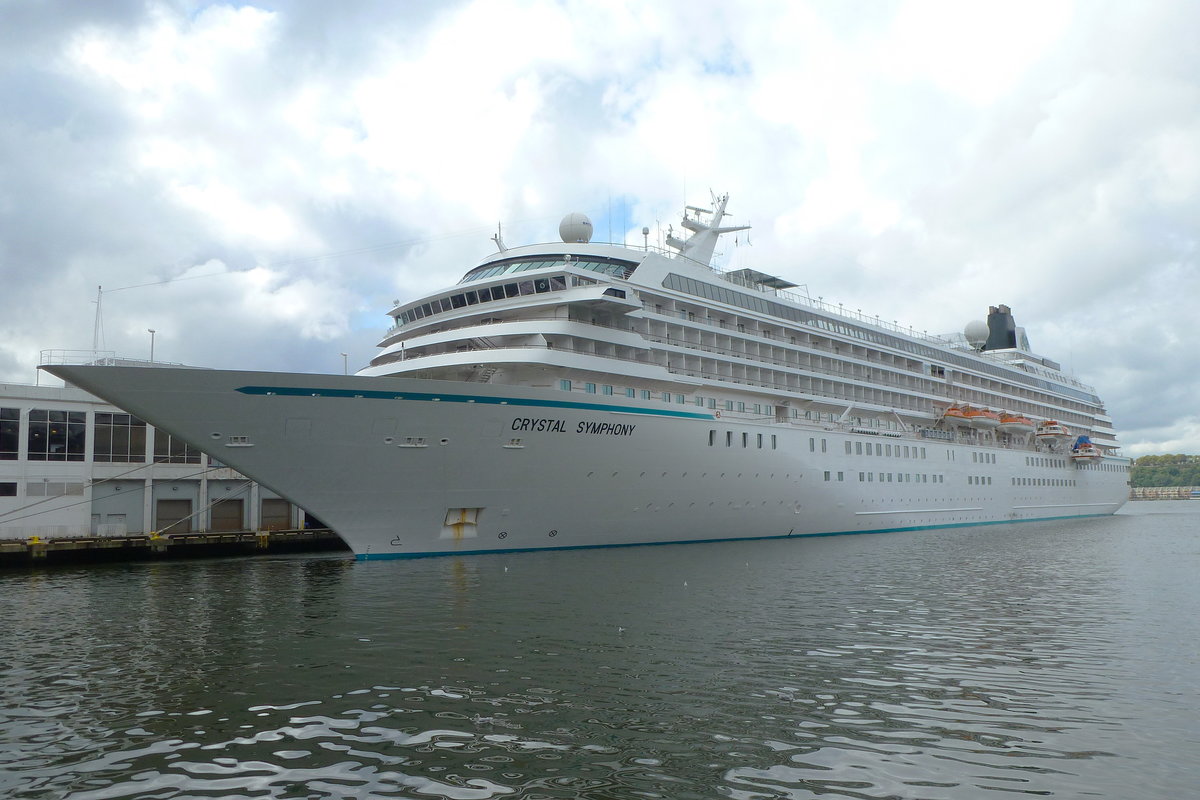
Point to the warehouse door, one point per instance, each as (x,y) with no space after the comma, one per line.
(227,515)
(276,514)
(169,512)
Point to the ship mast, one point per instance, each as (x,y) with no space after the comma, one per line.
(703,241)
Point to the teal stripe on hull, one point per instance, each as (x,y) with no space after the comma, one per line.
(290,391)
(387,556)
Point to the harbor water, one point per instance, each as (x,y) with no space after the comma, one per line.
(1056,659)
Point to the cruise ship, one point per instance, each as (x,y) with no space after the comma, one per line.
(584,394)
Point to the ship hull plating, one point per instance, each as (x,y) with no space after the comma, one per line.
(405,467)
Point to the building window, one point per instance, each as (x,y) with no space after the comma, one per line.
(712,438)
(590,388)
(57,435)
(629,393)
(606,389)
(10,434)
(565,385)
(745,439)
(645,394)
(118,439)
(170,449)
(8,489)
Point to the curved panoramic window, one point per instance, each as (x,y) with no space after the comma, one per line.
(540,285)
(602,264)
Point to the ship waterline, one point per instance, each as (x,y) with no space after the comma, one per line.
(583,395)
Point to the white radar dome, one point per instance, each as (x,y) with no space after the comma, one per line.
(575,228)
(976,333)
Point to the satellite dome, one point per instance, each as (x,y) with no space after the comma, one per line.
(575,227)
(976,333)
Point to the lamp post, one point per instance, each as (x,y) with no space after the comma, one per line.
(345,364)
(151,332)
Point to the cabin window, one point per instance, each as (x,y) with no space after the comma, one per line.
(565,385)
(590,388)
(606,389)
(629,393)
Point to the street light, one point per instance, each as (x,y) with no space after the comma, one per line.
(151,332)
(345,364)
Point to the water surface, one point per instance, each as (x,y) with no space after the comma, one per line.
(1051,659)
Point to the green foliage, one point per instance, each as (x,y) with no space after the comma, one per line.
(1166,470)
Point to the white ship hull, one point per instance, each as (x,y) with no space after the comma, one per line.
(406,467)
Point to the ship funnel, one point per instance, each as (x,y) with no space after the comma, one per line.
(1002,330)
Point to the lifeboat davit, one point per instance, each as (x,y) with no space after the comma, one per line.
(982,419)
(1052,431)
(1014,424)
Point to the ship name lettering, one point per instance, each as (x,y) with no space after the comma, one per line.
(610,428)
(541,425)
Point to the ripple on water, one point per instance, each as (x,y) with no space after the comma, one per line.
(936,665)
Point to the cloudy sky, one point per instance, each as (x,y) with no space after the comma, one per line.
(257,181)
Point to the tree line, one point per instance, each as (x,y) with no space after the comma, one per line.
(1166,470)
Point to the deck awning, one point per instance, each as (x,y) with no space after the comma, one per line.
(753,276)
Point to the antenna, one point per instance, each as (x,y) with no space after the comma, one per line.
(98,326)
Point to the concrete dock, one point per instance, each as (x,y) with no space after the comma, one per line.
(59,550)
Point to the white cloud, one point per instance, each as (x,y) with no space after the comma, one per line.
(919,160)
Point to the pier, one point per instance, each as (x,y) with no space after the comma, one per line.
(60,550)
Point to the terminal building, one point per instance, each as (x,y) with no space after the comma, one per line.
(72,465)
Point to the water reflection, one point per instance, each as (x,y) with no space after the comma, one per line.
(926,665)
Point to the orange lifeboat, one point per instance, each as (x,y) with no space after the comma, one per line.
(954,417)
(1015,424)
(982,419)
